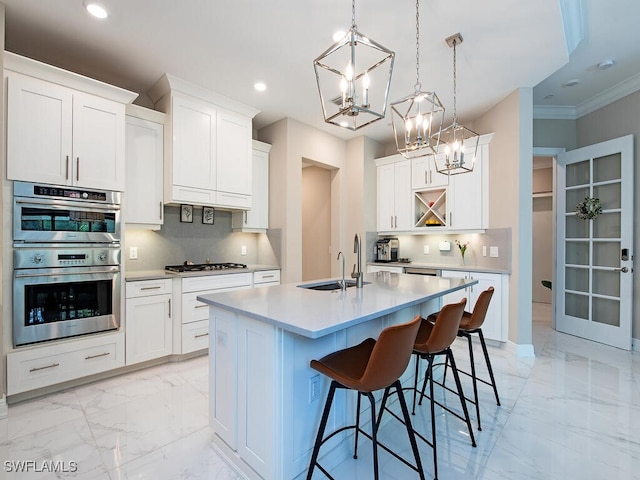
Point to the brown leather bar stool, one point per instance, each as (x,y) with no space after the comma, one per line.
(372,365)
(472,323)
(433,340)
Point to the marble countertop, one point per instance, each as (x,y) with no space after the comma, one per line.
(442,266)
(156,274)
(313,314)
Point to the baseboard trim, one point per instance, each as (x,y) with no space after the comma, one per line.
(523,350)
(635,344)
(4,410)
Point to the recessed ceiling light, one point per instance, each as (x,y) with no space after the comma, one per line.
(608,63)
(572,83)
(260,86)
(96,10)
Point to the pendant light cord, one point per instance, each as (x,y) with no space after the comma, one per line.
(418,86)
(353,14)
(455,115)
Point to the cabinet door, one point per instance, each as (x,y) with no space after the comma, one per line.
(425,175)
(402,195)
(386,197)
(39,132)
(148,328)
(98,142)
(466,198)
(234,153)
(194,143)
(458,295)
(258,216)
(144,156)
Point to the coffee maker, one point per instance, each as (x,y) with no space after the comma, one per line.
(387,250)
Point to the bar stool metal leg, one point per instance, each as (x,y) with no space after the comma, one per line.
(321,429)
(474,380)
(463,402)
(486,359)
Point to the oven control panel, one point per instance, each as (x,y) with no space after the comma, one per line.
(52,257)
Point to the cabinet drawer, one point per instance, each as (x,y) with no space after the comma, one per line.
(44,366)
(192,309)
(267,276)
(195,336)
(214,282)
(144,288)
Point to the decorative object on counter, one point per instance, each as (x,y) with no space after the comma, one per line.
(208,215)
(463,249)
(419,116)
(589,209)
(459,141)
(186,213)
(353,96)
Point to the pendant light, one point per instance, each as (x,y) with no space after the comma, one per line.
(458,144)
(354,77)
(417,118)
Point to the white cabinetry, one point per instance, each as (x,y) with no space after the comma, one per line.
(266,278)
(148,320)
(194,326)
(394,194)
(207,146)
(143,205)
(62,128)
(425,175)
(58,362)
(384,268)
(495,326)
(256,219)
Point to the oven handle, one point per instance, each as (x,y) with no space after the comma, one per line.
(57,273)
(60,204)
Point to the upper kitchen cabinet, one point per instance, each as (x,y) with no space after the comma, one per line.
(257,219)
(394,194)
(63,128)
(143,205)
(208,157)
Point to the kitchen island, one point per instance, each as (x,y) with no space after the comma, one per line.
(265,400)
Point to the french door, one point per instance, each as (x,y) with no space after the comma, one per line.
(593,287)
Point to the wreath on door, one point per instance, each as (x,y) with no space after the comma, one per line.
(589,209)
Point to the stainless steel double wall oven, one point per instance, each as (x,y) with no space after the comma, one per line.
(66,262)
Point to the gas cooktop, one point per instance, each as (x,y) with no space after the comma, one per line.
(202,267)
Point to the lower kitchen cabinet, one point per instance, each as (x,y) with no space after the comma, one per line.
(46,365)
(384,268)
(148,320)
(495,325)
(266,278)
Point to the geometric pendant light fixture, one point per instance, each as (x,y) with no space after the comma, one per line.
(458,144)
(354,77)
(417,118)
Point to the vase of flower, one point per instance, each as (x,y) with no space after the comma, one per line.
(463,249)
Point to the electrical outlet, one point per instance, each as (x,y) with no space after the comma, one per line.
(314,388)
(493,252)
(133,253)
(221,337)
(243,250)
(484,250)
(426,249)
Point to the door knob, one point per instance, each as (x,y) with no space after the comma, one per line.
(623,269)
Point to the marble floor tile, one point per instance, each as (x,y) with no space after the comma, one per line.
(572,412)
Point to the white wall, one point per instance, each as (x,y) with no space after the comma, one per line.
(316,223)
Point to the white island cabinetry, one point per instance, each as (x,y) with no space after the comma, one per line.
(266,401)
(79,136)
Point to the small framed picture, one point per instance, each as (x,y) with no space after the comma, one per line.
(208,215)
(186,213)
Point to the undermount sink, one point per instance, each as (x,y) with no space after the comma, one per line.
(329,286)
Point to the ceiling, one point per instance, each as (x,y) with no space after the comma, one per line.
(228,46)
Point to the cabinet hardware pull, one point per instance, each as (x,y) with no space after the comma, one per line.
(97,356)
(169,308)
(268,276)
(66,175)
(396,217)
(391,221)
(151,288)
(77,169)
(450,219)
(245,217)
(202,305)
(201,335)
(426,176)
(36,369)
(161,210)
